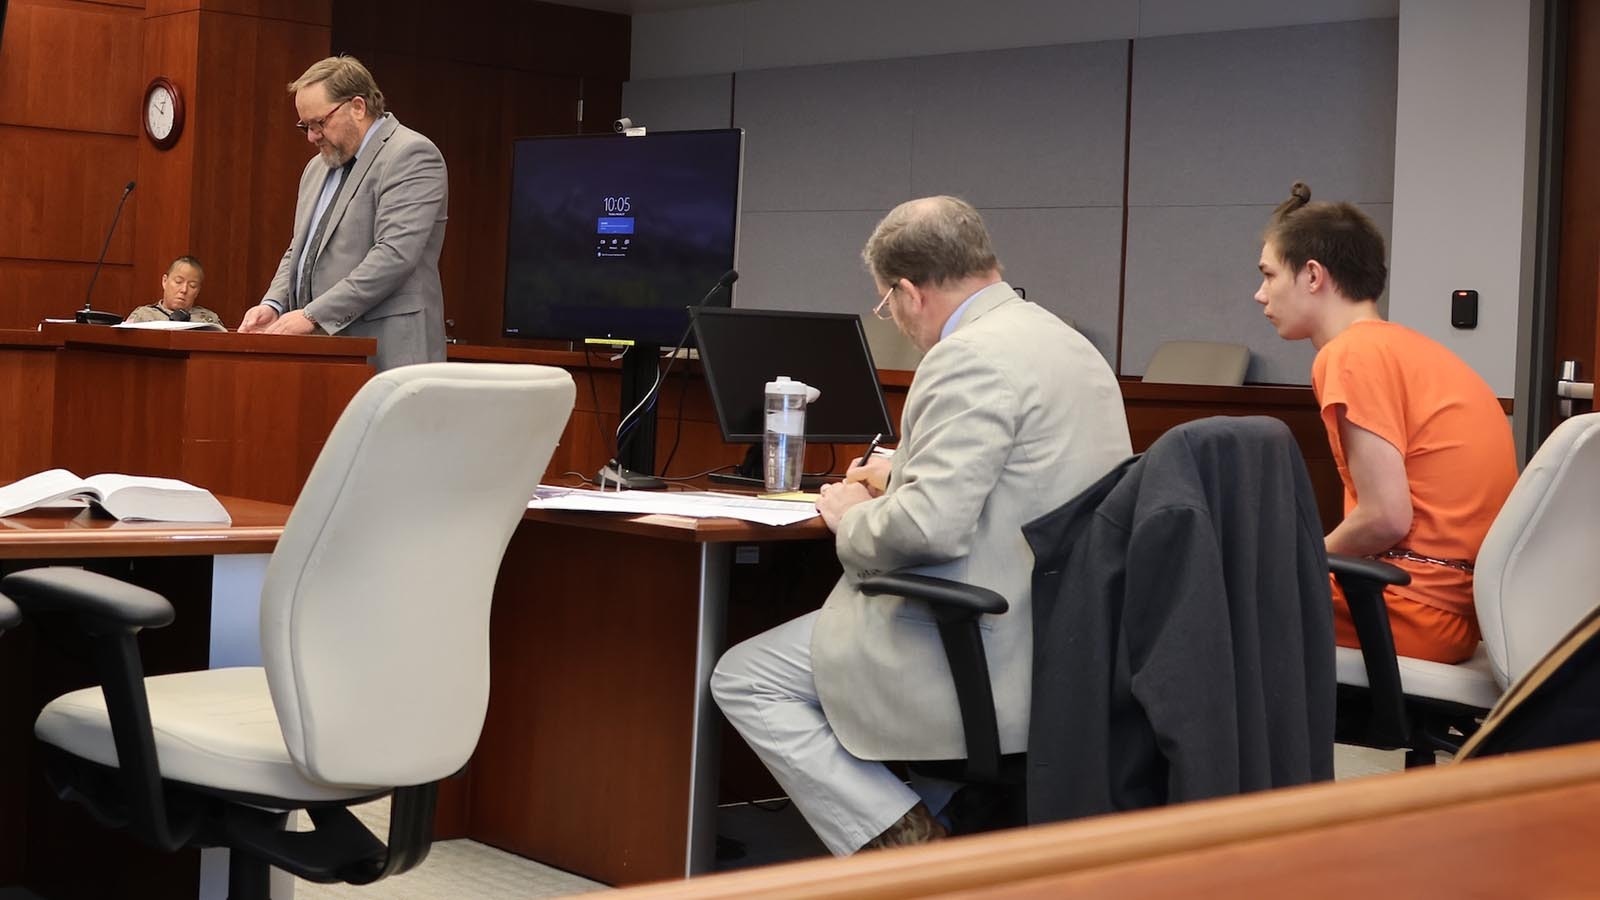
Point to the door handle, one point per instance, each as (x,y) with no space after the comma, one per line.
(1569,388)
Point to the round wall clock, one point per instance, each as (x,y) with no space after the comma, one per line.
(163,112)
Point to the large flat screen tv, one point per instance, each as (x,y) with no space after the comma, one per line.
(614,237)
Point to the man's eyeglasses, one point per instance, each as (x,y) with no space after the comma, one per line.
(318,124)
(881,311)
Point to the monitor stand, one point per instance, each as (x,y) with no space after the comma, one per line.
(750,474)
(636,458)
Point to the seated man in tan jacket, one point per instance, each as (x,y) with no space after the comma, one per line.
(1011,413)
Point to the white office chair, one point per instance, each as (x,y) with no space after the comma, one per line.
(1537,575)
(374,639)
(1198,362)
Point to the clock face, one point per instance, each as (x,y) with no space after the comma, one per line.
(163,112)
(160,113)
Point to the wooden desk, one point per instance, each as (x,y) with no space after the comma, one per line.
(211,574)
(1511,826)
(54,534)
(600,751)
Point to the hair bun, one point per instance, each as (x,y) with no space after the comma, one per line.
(1299,195)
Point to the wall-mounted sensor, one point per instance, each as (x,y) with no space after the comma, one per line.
(1464,309)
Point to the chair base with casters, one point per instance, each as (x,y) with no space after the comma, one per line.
(1391,702)
(993,797)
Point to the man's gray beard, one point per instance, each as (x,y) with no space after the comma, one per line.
(333,156)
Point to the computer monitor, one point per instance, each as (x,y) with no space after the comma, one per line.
(743,349)
(613,237)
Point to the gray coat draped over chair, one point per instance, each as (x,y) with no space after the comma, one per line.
(1183,635)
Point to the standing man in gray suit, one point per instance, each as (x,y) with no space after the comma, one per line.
(1011,414)
(364,257)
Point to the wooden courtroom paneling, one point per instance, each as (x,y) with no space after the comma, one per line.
(248,154)
(1512,826)
(69,90)
(1578,271)
(27,402)
(36,289)
(167,177)
(71,67)
(309,12)
(528,36)
(59,190)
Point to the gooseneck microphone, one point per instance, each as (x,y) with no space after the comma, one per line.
(115,217)
(613,473)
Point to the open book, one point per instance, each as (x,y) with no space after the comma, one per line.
(169,325)
(129,497)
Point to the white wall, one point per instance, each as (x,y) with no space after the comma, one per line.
(764,34)
(1466,161)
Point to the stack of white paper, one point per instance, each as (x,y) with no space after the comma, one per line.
(693,504)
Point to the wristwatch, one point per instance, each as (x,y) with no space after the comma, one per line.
(309,318)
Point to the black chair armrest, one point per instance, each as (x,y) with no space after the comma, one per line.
(946,597)
(10,616)
(1366,570)
(1363,581)
(102,604)
(956,608)
(112,613)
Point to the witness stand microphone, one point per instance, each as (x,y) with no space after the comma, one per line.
(88,314)
(178,315)
(613,473)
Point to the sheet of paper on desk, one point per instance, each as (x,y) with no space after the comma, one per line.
(693,504)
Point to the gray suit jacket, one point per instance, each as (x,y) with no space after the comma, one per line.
(1009,417)
(377,272)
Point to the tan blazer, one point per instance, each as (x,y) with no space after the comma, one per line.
(377,272)
(1009,417)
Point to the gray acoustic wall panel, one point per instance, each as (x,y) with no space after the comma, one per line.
(1238,117)
(805,260)
(1040,127)
(680,104)
(1068,261)
(827,137)
(1221,126)
(1032,137)
(1065,258)
(1192,276)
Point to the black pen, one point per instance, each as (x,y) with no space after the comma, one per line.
(872,448)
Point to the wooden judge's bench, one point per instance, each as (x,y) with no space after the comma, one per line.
(240,414)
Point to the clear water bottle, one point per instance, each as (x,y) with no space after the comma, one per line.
(785,439)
